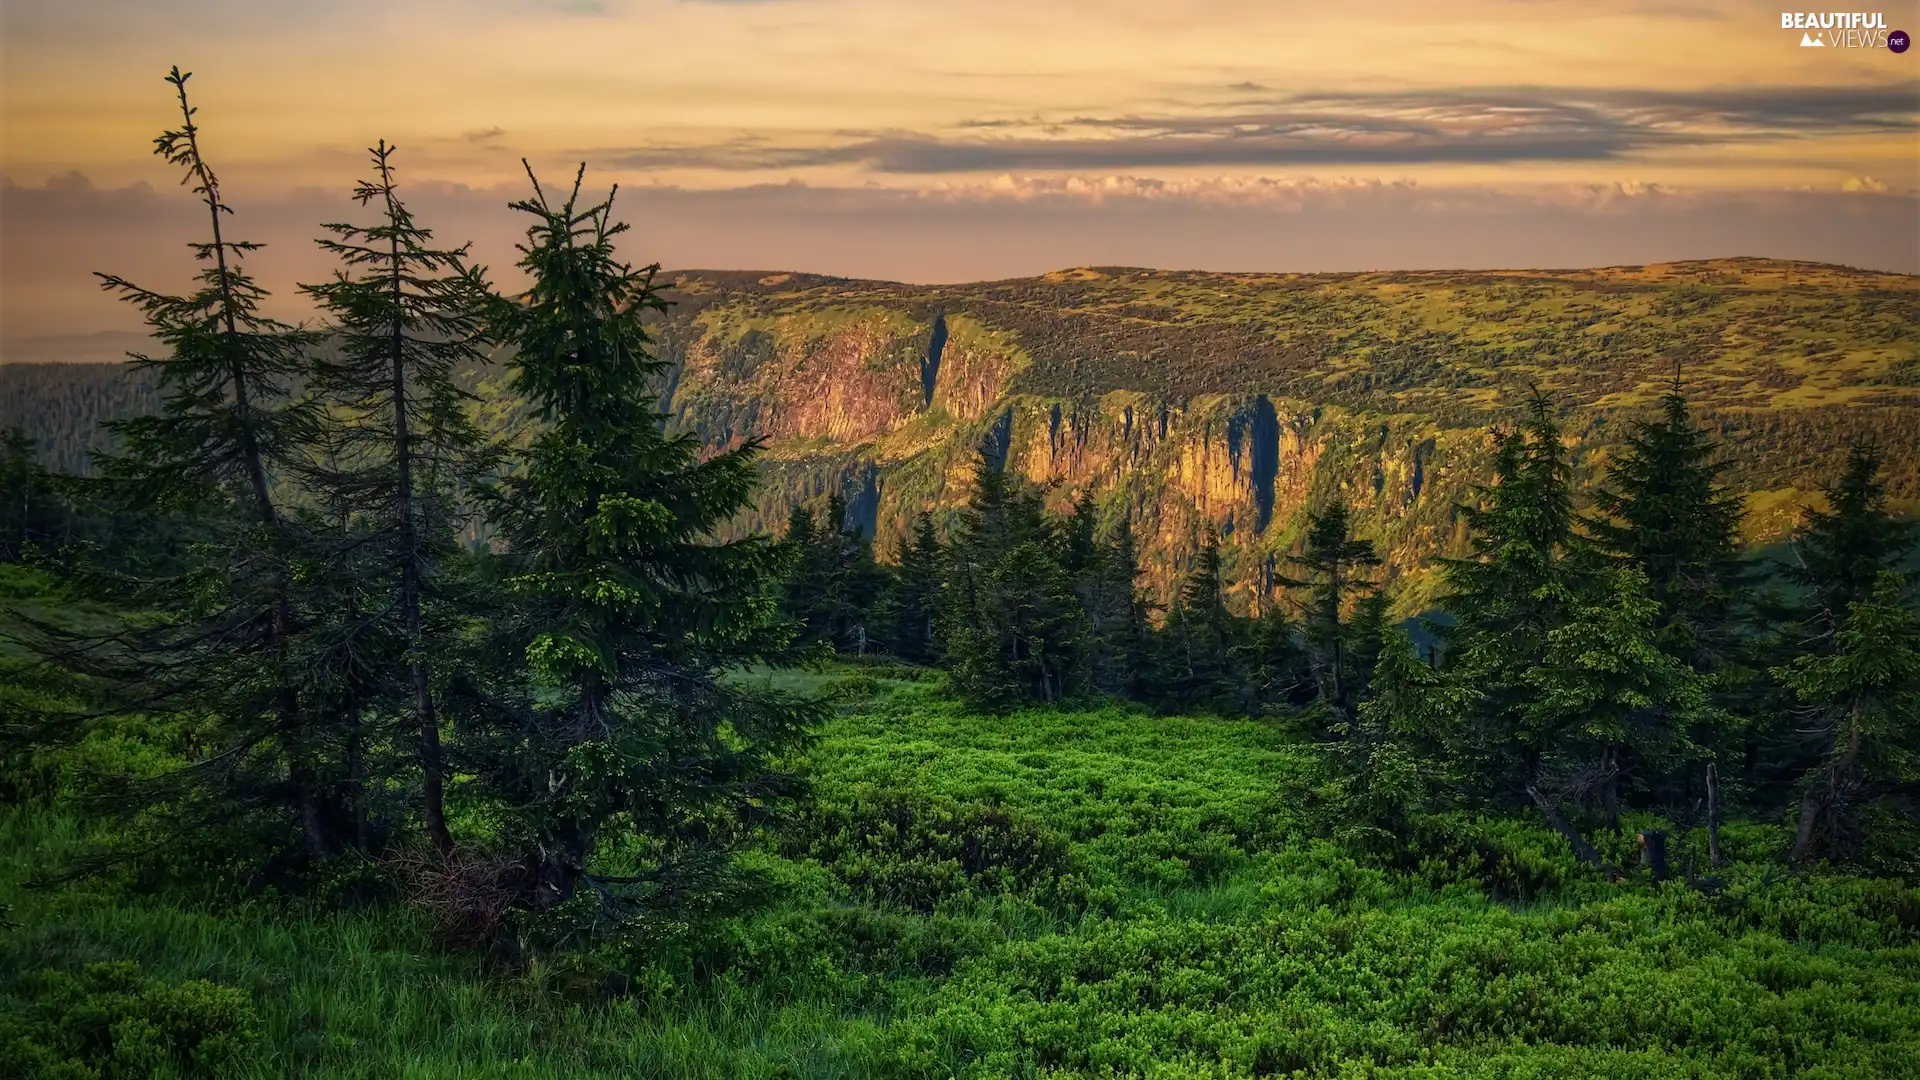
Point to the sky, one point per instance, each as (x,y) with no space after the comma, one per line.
(929,142)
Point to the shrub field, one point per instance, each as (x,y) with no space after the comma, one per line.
(1046,894)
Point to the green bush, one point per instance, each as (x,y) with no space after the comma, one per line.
(109,1022)
(918,854)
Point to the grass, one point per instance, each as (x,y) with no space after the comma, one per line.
(1066,894)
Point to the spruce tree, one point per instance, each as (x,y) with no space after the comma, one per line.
(1395,761)
(232,427)
(34,514)
(1843,549)
(1519,582)
(1862,698)
(1274,664)
(1666,513)
(630,609)
(1200,638)
(1115,609)
(406,314)
(1336,564)
(803,584)
(1010,622)
(915,593)
(1603,697)
(852,579)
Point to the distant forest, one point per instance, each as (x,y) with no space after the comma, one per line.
(66,407)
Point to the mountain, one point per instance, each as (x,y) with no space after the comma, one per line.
(1237,401)
(1190,400)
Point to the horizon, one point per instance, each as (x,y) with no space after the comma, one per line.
(8,345)
(882,140)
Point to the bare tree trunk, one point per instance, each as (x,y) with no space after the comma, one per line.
(1610,788)
(1824,799)
(1803,836)
(1714,858)
(1581,849)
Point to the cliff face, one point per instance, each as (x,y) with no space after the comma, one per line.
(1197,402)
(889,412)
(1233,402)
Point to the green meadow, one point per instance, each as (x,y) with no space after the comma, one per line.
(1100,893)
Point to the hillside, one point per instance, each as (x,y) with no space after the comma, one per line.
(1187,400)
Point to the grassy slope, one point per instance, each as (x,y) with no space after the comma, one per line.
(1755,333)
(1095,893)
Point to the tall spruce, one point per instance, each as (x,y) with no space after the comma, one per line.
(631,610)
(916,593)
(1273,662)
(1843,548)
(1010,623)
(1395,762)
(803,585)
(1604,698)
(406,315)
(1200,638)
(853,580)
(35,515)
(1336,564)
(1518,583)
(1116,611)
(1665,511)
(1862,699)
(232,425)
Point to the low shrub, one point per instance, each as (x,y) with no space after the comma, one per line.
(919,853)
(111,1023)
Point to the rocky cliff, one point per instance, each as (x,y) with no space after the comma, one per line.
(1239,402)
(1236,402)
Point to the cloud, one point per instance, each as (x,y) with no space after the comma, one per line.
(483,134)
(960,229)
(72,197)
(1333,129)
(1863,183)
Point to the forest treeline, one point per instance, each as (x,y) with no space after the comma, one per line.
(542,735)
(293,612)
(1595,650)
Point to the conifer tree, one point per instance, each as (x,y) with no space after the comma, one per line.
(232,425)
(1666,512)
(1115,608)
(1843,549)
(1396,760)
(631,610)
(406,314)
(1200,637)
(1079,543)
(33,511)
(803,585)
(1336,563)
(1010,622)
(1273,663)
(1603,696)
(852,580)
(915,593)
(1519,582)
(1862,697)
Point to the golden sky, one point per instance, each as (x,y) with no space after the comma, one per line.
(935,141)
